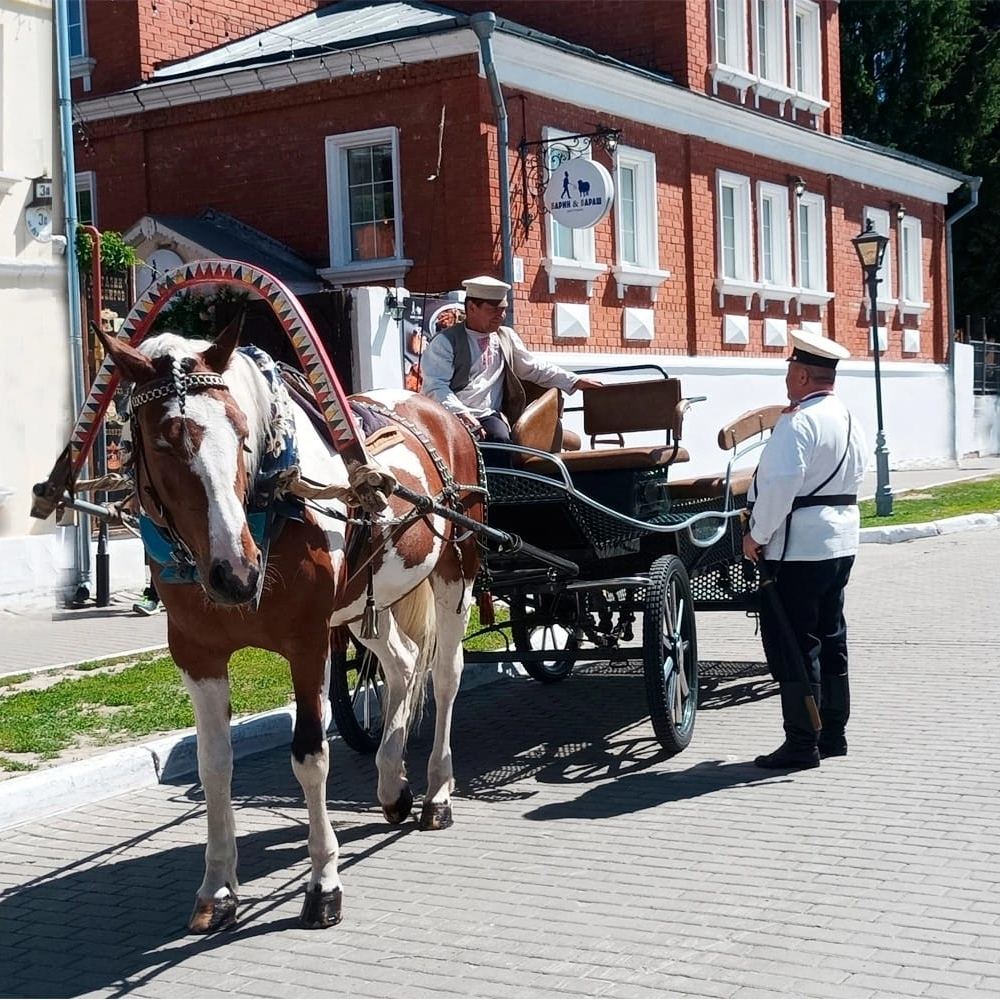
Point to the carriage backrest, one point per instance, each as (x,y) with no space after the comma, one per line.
(538,426)
(753,423)
(620,408)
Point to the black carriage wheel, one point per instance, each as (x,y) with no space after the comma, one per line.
(670,654)
(357,692)
(536,624)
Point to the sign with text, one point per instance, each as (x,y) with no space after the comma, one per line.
(579,193)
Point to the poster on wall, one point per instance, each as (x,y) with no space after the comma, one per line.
(425,316)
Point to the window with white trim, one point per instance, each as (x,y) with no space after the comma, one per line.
(774,262)
(735,251)
(636,221)
(363,197)
(770,51)
(807,57)
(76,25)
(572,252)
(86,203)
(885,298)
(729,26)
(810,251)
(911,269)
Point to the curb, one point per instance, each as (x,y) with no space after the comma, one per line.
(947,526)
(42,794)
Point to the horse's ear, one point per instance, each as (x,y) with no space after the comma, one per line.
(130,363)
(218,355)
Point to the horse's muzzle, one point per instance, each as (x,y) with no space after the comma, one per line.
(225,587)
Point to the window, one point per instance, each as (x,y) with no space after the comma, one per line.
(735,260)
(807,58)
(911,270)
(365,216)
(86,208)
(75,27)
(771,41)
(810,251)
(774,244)
(730,27)
(636,221)
(572,254)
(880,220)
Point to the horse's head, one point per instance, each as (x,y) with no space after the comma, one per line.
(190,447)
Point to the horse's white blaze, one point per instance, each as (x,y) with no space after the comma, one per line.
(214,464)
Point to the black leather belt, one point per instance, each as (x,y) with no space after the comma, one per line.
(826,500)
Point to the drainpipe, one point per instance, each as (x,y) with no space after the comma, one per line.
(82,540)
(483,25)
(973,183)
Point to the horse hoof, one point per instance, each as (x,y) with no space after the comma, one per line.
(399,812)
(212,915)
(436,816)
(321,909)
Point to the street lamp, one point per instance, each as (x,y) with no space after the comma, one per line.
(870,247)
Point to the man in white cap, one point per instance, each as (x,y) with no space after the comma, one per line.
(475,368)
(804,524)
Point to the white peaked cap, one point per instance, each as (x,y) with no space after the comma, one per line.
(814,349)
(485,287)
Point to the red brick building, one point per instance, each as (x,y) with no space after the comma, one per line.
(403,144)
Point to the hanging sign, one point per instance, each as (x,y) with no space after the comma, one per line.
(579,193)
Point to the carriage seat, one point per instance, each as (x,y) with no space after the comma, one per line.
(753,423)
(615,410)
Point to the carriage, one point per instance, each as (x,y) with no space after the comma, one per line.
(278,513)
(604,552)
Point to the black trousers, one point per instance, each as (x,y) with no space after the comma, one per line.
(812,594)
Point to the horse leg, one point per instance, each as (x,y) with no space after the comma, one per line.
(215,905)
(311,765)
(446,674)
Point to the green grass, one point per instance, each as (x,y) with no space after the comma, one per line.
(110,707)
(934,503)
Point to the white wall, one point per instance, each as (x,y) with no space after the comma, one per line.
(34,326)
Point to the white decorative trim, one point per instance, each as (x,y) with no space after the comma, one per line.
(736,329)
(776,293)
(572,270)
(810,297)
(745,290)
(365,272)
(739,79)
(637,324)
(628,274)
(883,339)
(775,332)
(911,341)
(571,320)
(812,327)
(914,309)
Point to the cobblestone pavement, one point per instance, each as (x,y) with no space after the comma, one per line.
(582,863)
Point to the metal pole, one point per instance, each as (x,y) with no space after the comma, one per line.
(883,491)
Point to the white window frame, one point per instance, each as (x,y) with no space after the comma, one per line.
(885,296)
(740,282)
(582,266)
(730,66)
(806,43)
(86,180)
(770,61)
(642,215)
(80,63)
(911,269)
(342,267)
(774,245)
(811,290)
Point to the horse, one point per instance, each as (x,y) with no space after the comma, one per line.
(208,421)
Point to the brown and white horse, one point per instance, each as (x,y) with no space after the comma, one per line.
(205,421)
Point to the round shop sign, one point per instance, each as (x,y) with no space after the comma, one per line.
(579,193)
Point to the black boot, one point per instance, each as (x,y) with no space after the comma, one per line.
(799,750)
(836,710)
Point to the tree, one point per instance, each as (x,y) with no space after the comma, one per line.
(923,77)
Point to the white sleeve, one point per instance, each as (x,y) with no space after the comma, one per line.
(528,367)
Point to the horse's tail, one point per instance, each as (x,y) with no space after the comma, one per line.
(416,615)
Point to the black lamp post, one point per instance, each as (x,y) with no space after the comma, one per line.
(870,247)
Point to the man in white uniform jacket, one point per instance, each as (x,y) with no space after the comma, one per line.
(805,524)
